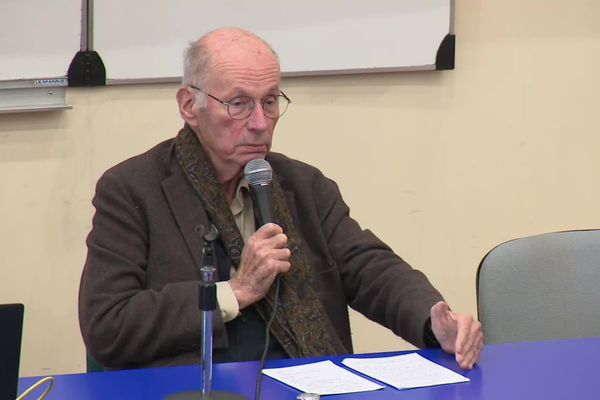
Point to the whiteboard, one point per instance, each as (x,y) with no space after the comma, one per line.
(145,39)
(38,39)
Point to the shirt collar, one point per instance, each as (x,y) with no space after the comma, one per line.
(242,191)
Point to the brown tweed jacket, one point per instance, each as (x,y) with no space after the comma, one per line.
(138,294)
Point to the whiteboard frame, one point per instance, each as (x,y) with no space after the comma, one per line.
(28,95)
(111,80)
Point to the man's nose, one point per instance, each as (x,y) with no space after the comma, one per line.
(257,120)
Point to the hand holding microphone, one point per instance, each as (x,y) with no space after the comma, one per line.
(265,254)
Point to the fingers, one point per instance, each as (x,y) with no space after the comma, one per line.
(469,341)
(269,236)
(267,230)
(473,353)
(464,332)
(266,252)
(274,261)
(471,356)
(264,256)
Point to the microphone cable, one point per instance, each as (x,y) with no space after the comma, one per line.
(267,336)
(37,385)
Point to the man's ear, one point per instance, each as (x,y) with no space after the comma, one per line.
(188,109)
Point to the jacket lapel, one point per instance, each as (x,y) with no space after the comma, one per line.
(188,213)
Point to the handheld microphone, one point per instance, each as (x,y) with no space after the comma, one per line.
(259,175)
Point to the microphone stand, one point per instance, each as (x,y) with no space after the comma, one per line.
(207,302)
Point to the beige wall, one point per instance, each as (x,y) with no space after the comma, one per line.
(442,165)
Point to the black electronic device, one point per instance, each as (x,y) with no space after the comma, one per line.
(11,332)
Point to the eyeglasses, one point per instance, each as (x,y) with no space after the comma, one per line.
(241,107)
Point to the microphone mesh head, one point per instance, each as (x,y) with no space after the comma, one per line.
(258,172)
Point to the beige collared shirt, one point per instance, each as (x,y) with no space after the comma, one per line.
(242,209)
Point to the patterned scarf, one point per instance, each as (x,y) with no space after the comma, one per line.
(301,324)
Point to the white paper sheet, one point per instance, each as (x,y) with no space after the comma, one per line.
(405,371)
(321,378)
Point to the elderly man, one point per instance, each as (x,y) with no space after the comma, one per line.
(138,295)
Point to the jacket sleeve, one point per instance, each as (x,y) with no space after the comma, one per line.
(377,282)
(124,322)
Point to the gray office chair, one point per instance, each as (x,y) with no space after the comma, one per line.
(541,287)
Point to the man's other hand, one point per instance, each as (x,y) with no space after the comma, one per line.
(457,333)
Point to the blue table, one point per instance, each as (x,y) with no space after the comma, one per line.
(561,369)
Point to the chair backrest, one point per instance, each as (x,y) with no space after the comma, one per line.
(541,287)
